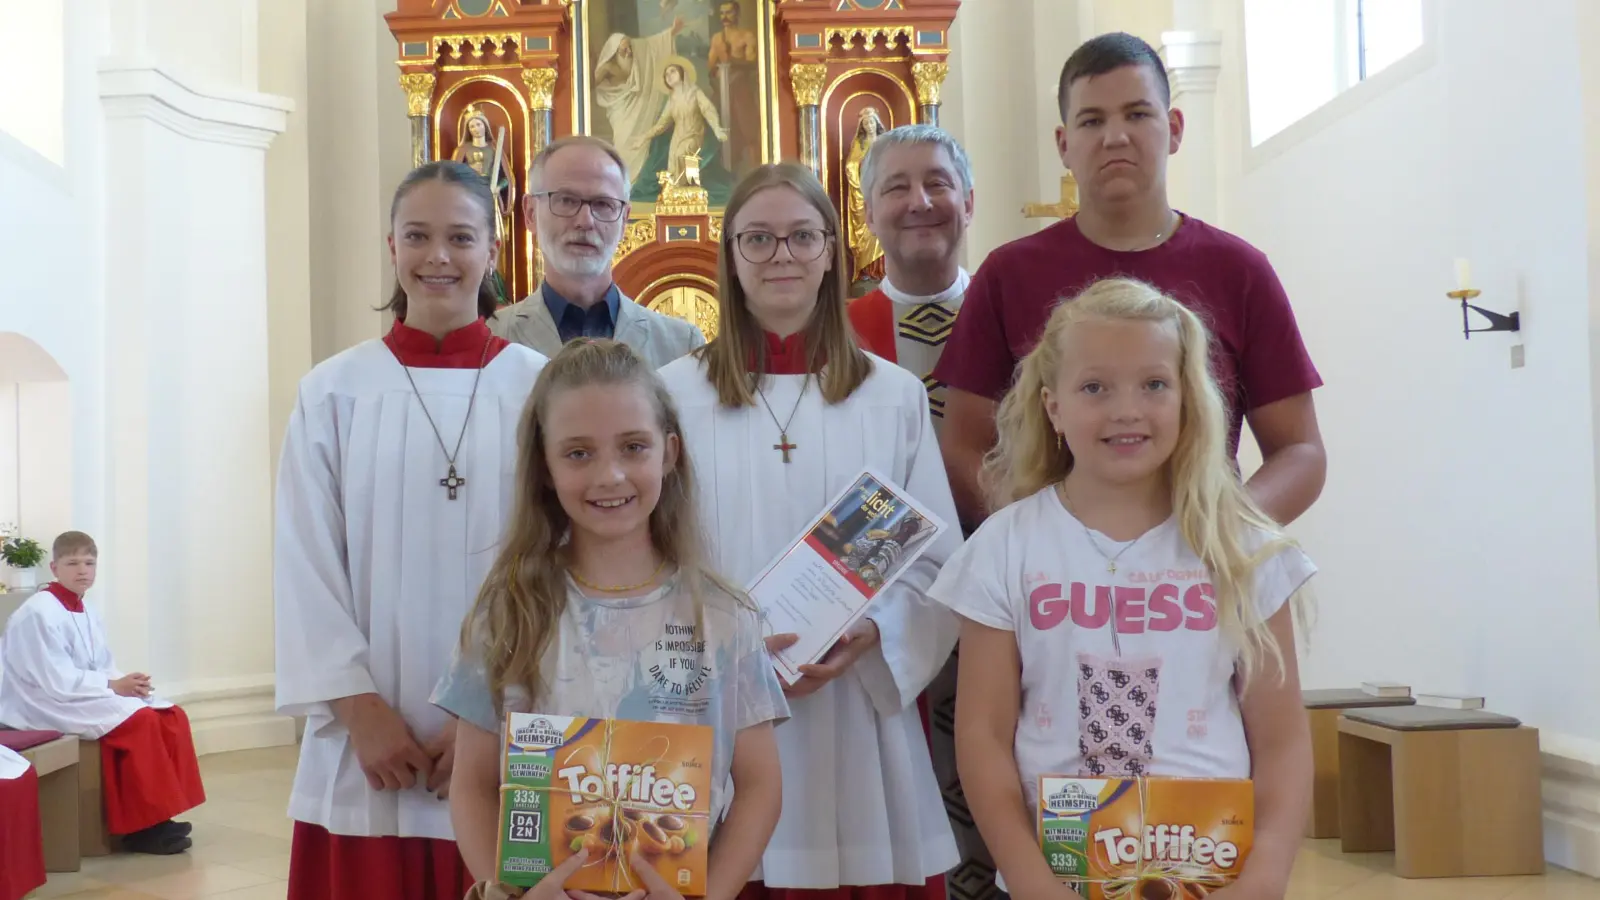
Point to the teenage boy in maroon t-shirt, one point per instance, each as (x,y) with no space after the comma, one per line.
(1117,133)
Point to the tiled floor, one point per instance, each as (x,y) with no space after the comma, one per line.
(241,852)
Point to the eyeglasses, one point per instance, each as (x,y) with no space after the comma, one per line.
(805,244)
(566,205)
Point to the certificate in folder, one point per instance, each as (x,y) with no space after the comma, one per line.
(849,554)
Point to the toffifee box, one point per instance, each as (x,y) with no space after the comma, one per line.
(1149,838)
(615,787)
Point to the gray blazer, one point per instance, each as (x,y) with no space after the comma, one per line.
(658,338)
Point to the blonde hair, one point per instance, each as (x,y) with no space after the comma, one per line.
(1215,513)
(73,543)
(830,341)
(519,606)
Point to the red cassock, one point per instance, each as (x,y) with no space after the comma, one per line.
(149,770)
(21,841)
(148,766)
(325,866)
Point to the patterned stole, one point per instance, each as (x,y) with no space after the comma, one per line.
(922,325)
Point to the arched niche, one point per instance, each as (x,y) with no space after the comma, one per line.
(36,471)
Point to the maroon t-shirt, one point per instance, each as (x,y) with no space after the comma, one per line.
(1258,355)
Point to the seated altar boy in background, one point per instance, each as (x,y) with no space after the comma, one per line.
(56,673)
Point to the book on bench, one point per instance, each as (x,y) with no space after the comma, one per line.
(1386,689)
(1450,701)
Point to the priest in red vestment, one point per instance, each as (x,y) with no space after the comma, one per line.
(59,676)
(917,184)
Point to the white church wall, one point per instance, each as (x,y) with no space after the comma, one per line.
(36,484)
(210,42)
(35,117)
(10,476)
(360,148)
(50,325)
(1009,141)
(189,482)
(1457,533)
(284,73)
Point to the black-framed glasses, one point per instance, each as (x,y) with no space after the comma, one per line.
(805,244)
(566,205)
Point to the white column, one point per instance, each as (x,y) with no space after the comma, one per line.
(1194,61)
(359,145)
(188,459)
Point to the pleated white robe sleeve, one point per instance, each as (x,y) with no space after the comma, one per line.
(916,634)
(861,805)
(57,672)
(375,568)
(321,647)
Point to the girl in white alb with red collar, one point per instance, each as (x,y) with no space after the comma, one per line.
(1130,610)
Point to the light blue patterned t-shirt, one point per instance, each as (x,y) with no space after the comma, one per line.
(643,659)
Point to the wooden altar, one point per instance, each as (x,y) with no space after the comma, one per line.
(813,80)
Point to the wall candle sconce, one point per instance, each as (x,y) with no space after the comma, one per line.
(1497,321)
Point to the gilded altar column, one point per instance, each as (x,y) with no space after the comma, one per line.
(541,85)
(808,80)
(929,77)
(419,93)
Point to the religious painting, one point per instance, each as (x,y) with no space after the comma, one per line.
(679,87)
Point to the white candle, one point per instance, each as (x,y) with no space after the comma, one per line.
(1463,274)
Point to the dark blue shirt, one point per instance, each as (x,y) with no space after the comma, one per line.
(573,321)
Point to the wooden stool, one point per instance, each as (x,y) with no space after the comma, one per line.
(56,763)
(1453,793)
(1322,709)
(94,838)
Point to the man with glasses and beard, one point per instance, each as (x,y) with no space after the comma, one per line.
(578,204)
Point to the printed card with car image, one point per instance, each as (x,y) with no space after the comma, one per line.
(850,553)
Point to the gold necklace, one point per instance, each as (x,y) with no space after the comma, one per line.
(619,588)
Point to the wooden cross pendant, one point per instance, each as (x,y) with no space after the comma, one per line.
(452,481)
(784,445)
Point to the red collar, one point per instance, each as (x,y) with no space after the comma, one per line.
(70,600)
(785,356)
(464,348)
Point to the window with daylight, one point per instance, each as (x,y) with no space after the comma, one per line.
(1300,54)
(34,71)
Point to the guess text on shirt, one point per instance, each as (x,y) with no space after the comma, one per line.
(1163,607)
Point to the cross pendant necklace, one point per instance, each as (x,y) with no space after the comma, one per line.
(451,482)
(783,446)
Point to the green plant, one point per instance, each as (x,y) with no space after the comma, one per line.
(21,553)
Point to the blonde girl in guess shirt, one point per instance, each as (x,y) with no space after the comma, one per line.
(1130,610)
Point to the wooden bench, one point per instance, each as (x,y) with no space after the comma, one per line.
(1323,708)
(56,762)
(1454,793)
(94,838)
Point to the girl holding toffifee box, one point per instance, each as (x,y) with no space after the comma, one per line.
(598,581)
(1130,611)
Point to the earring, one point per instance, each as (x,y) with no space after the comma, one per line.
(1060,441)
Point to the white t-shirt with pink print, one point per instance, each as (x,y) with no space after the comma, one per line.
(1125,672)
